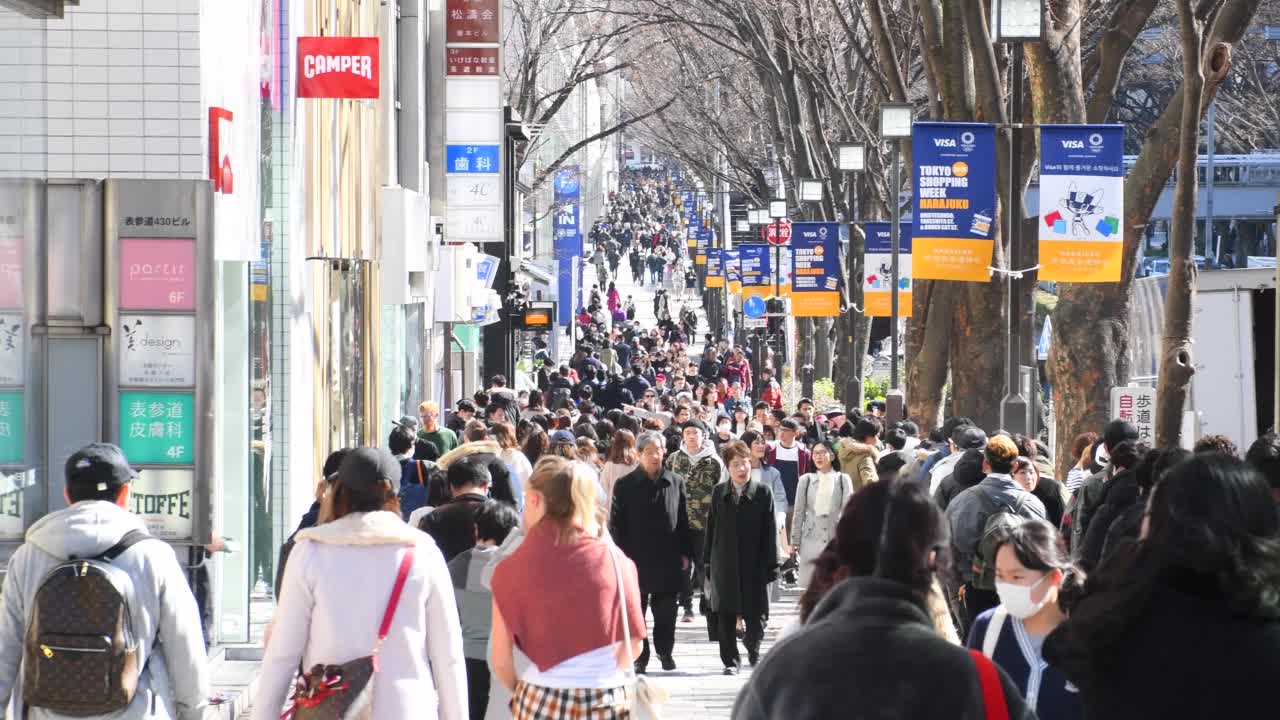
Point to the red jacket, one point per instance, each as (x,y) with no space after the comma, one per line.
(772,396)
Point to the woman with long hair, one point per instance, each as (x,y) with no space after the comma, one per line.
(338,584)
(622,461)
(1186,622)
(820,498)
(535,445)
(870,648)
(513,458)
(577,667)
(1037,584)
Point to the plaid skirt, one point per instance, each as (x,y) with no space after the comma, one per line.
(533,702)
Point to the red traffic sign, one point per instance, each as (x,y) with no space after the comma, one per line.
(778,232)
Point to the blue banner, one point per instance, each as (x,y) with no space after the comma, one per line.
(815,270)
(568,241)
(733,269)
(1081,202)
(471,160)
(877,276)
(954,178)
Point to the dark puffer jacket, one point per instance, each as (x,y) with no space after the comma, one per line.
(826,670)
(968,472)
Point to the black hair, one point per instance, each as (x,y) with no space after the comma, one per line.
(1219,444)
(501,486)
(892,530)
(1127,454)
(867,427)
(1038,546)
(1264,456)
(790,424)
(1118,431)
(425,450)
(896,438)
(333,462)
(761,405)
(1155,465)
(465,405)
(467,471)
(910,428)
(950,424)
(401,440)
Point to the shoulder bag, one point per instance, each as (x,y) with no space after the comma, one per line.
(345,692)
(993,700)
(646,695)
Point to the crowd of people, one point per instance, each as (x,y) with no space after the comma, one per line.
(528,554)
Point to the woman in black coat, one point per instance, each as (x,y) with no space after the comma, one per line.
(869,649)
(740,555)
(1186,623)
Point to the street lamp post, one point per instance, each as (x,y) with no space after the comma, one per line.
(1017,22)
(852,158)
(895,126)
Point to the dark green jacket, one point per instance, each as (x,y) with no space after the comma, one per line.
(741,549)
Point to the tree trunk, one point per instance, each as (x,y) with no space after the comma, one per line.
(1176,369)
(928,350)
(822,349)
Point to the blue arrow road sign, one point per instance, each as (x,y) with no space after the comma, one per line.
(753,307)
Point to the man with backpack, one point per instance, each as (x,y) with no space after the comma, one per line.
(976,516)
(139,652)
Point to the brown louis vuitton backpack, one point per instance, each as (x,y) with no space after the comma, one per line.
(81,655)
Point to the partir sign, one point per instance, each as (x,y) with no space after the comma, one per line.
(338,67)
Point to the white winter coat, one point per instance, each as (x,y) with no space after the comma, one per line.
(336,587)
(175,680)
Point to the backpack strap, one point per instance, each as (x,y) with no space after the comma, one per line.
(993,700)
(131,538)
(994,626)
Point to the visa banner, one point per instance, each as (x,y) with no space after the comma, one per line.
(1081,202)
(877,276)
(754,261)
(715,267)
(733,270)
(704,247)
(815,274)
(954,179)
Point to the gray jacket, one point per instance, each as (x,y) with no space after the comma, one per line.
(475,601)
(174,681)
(968,513)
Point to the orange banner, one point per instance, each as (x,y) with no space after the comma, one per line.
(1080,261)
(815,304)
(951,259)
(880,304)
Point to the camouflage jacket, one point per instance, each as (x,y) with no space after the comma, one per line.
(701,474)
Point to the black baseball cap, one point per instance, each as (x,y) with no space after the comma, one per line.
(364,469)
(694,423)
(408,421)
(101,466)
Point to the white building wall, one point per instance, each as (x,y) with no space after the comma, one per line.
(115,86)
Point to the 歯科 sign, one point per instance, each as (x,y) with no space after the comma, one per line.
(1138,406)
(955,200)
(157,428)
(12,428)
(877,277)
(1081,202)
(338,67)
(715,267)
(815,273)
(157,350)
(472,160)
(163,499)
(157,274)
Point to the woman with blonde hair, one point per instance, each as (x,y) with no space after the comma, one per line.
(578,669)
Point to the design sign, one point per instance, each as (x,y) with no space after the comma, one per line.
(157,350)
(13,350)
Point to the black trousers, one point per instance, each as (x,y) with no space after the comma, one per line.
(264,551)
(727,633)
(477,687)
(664,624)
(694,578)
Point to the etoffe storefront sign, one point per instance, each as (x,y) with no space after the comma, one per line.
(338,67)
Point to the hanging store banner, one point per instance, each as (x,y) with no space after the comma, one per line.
(815,275)
(733,270)
(754,262)
(1081,202)
(877,277)
(715,267)
(568,239)
(338,67)
(954,200)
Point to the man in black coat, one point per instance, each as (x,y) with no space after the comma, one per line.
(740,555)
(649,520)
(453,525)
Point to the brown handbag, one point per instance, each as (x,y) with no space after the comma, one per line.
(345,692)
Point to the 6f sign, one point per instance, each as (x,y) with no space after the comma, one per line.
(338,67)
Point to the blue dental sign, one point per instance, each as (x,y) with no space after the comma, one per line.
(471,160)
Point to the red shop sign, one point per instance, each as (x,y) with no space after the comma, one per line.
(338,67)
(473,21)
(471,61)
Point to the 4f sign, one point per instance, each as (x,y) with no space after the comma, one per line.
(338,67)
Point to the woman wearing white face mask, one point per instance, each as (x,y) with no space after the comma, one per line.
(1036,583)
